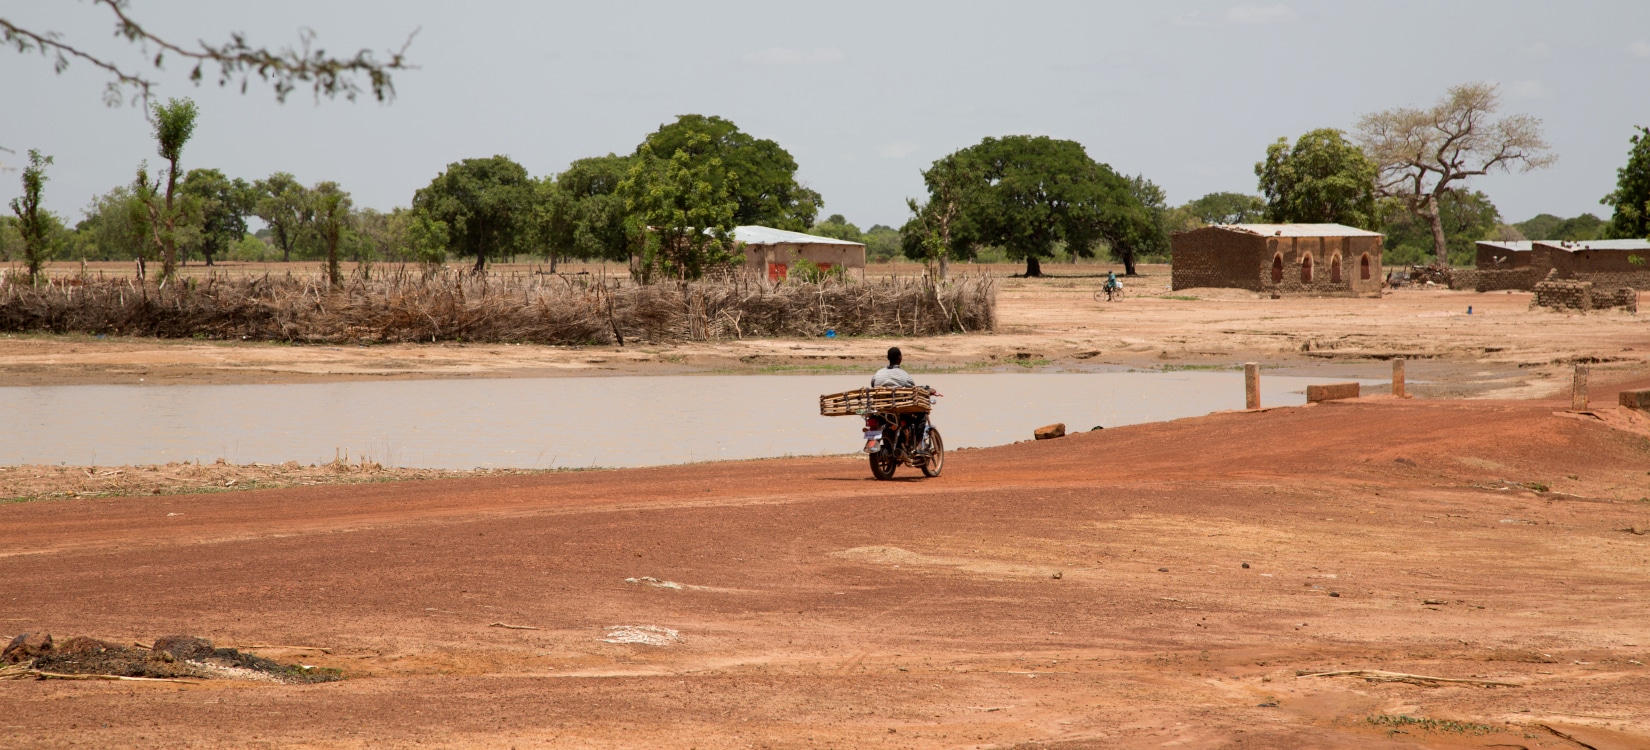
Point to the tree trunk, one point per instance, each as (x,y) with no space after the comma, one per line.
(945,265)
(1439,246)
(481,263)
(1034,269)
(169,249)
(1128,265)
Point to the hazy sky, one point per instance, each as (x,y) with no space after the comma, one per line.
(863,94)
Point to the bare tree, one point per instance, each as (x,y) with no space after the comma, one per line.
(1421,153)
(235,60)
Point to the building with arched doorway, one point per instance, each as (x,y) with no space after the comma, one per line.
(1307,259)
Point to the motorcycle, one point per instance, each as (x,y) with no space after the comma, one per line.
(909,439)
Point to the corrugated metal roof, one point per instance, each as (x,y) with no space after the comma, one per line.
(1596,244)
(1301,230)
(760,235)
(1515,245)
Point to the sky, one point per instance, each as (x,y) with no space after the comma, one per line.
(863,94)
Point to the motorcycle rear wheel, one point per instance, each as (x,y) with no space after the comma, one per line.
(936,458)
(883,463)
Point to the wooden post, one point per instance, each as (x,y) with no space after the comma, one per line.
(1251,385)
(1578,390)
(1398,379)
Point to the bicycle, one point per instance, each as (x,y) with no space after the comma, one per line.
(1108,294)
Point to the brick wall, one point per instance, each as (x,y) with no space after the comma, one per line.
(1486,280)
(1212,257)
(1605,268)
(1218,257)
(1583,296)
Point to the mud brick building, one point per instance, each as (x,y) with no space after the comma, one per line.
(771,252)
(1298,259)
(1607,264)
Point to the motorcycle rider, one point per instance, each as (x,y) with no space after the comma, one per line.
(893,376)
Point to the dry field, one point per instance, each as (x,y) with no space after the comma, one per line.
(1372,574)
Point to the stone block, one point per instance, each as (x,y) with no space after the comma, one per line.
(1330,392)
(1051,431)
(1639,399)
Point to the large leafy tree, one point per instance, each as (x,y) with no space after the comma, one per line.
(1631,198)
(1321,179)
(487,205)
(1030,194)
(283,203)
(581,213)
(33,222)
(1467,217)
(681,213)
(1422,154)
(224,205)
(765,187)
(1227,208)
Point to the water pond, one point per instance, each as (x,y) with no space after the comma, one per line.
(569,422)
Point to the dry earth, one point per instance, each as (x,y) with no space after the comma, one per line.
(1502,349)
(1161,585)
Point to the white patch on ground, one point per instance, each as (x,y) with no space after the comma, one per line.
(897,557)
(646,635)
(232,673)
(656,583)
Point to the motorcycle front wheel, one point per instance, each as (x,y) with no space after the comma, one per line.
(883,462)
(936,455)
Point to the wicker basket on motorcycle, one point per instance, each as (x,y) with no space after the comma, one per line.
(883,400)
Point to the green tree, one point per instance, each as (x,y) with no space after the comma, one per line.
(1157,204)
(1631,198)
(34,227)
(331,219)
(427,241)
(283,203)
(1422,154)
(681,212)
(174,123)
(487,205)
(224,206)
(581,214)
(1228,208)
(1322,179)
(1467,217)
(940,228)
(882,242)
(113,226)
(1574,229)
(837,226)
(765,186)
(1029,195)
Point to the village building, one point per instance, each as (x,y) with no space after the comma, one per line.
(772,252)
(1295,259)
(1522,265)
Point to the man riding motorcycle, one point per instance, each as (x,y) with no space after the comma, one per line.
(893,376)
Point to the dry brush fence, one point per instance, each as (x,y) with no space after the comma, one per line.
(403,306)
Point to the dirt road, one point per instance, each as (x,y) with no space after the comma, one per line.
(1161,585)
(1502,349)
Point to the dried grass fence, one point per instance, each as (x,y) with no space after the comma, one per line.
(404,306)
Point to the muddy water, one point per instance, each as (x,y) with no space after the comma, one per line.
(568,422)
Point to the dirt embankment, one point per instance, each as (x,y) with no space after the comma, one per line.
(1368,574)
(1502,348)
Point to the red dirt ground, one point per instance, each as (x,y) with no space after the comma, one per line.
(821,609)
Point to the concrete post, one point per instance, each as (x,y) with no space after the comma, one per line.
(1251,385)
(1578,390)
(1398,379)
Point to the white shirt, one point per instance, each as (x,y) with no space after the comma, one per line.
(892,377)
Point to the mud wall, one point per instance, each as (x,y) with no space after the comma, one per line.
(1211,257)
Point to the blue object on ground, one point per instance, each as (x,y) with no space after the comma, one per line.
(830,333)
(1469,309)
